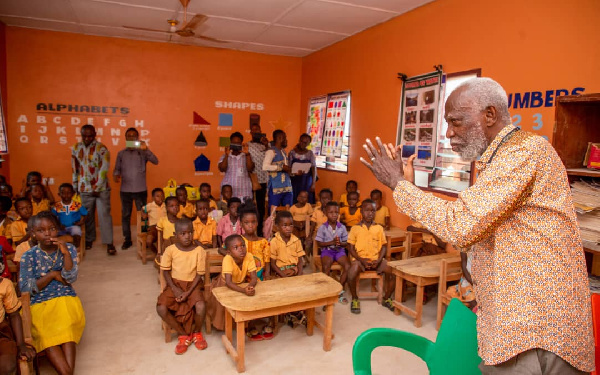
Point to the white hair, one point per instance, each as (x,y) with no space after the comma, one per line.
(487,93)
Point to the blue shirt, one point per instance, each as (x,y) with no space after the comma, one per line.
(36,263)
(69,214)
(326,233)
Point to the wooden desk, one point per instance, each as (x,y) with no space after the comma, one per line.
(421,271)
(395,234)
(276,297)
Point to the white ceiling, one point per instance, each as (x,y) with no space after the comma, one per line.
(277,27)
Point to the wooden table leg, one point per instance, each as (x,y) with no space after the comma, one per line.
(419,305)
(398,293)
(240,346)
(328,327)
(310,321)
(228,326)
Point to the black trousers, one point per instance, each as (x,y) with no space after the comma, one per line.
(127,200)
(260,196)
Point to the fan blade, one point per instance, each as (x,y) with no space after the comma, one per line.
(145,29)
(196,21)
(209,39)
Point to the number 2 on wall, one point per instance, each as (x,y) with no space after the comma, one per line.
(516,119)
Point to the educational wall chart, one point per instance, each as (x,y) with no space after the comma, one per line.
(418,118)
(335,121)
(316,121)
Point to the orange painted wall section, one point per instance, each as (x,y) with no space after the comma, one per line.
(526,46)
(4,167)
(162,84)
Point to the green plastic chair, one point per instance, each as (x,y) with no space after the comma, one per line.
(454,352)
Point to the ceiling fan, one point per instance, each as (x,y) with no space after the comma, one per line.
(188,28)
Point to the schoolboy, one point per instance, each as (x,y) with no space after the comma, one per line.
(367,245)
(38,201)
(18,229)
(152,212)
(226,194)
(186,208)
(205,193)
(350,214)
(382,215)
(286,249)
(318,216)
(301,211)
(205,227)
(181,303)
(351,186)
(71,214)
(166,224)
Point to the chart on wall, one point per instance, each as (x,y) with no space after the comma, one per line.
(335,121)
(316,121)
(418,118)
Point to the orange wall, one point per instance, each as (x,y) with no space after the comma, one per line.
(161,83)
(526,46)
(4,167)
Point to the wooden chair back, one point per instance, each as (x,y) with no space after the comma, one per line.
(398,245)
(142,251)
(448,272)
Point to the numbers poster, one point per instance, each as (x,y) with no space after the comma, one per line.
(335,121)
(418,118)
(316,121)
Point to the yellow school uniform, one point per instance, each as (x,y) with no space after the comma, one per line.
(212,205)
(168,228)
(286,254)
(348,219)
(205,232)
(9,302)
(381,214)
(18,230)
(238,275)
(301,213)
(43,205)
(188,210)
(5,228)
(260,250)
(184,265)
(318,217)
(344,200)
(20,250)
(155,212)
(367,241)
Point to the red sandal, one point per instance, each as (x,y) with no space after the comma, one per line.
(183,344)
(199,341)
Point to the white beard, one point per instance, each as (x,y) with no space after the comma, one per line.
(476,145)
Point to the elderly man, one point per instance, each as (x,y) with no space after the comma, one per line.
(90,161)
(528,268)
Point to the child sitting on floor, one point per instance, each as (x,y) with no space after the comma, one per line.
(186,208)
(181,303)
(230,223)
(166,224)
(18,229)
(350,214)
(38,200)
(152,212)
(238,267)
(286,249)
(12,344)
(351,186)
(382,215)
(48,271)
(367,245)
(318,216)
(226,194)
(205,193)
(5,221)
(331,239)
(300,212)
(71,214)
(205,228)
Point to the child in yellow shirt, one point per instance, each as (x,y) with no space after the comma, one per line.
(166,224)
(301,211)
(186,208)
(238,267)
(38,201)
(318,216)
(18,229)
(350,214)
(368,246)
(205,227)
(351,187)
(286,249)
(181,303)
(5,221)
(205,193)
(152,212)
(382,215)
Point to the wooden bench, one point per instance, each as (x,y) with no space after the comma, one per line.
(276,297)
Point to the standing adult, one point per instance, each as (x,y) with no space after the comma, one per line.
(237,164)
(276,163)
(303,180)
(257,147)
(130,171)
(528,267)
(90,161)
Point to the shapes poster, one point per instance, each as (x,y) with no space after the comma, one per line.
(316,121)
(418,119)
(336,116)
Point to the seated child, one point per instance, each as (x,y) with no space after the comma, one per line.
(432,244)
(12,345)
(226,194)
(230,223)
(18,229)
(24,246)
(205,228)
(238,267)
(71,214)
(318,216)
(152,212)
(286,249)
(38,201)
(255,245)
(300,212)
(33,178)
(5,221)
(166,224)
(205,193)
(181,303)
(186,208)
(6,191)
(382,215)
(48,271)
(351,186)
(464,289)
(331,239)
(350,214)
(367,245)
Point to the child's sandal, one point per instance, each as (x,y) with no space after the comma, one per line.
(267,333)
(254,335)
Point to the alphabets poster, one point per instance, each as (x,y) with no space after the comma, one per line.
(316,121)
(335,121)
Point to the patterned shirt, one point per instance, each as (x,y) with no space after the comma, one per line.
(225,227)
(69,214)
(36,263)
(528,266)
(237,176)
(257,152)
(90,167)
